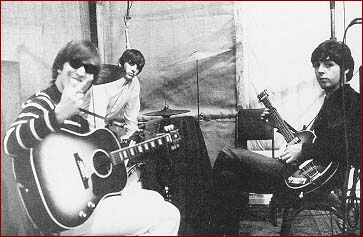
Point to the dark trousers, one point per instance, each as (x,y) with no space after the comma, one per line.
(237,172)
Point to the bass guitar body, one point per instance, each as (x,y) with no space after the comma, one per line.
(311,174)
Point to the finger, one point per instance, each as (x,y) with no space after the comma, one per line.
(79,95)
(289,161)
(264,117)
(83,84)
(283,151)
(132,143)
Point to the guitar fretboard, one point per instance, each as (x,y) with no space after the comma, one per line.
(142,147)
(280,123)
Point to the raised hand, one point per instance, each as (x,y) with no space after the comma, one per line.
(71,100)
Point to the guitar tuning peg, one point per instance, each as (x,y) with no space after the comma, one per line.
(168,128)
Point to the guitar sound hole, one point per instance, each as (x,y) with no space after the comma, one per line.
(102,163)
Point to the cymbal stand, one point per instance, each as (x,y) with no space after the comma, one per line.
(126,20)
(198,90)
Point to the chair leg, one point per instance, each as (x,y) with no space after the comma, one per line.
(273,213)
(285,222)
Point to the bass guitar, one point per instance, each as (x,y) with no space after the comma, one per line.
(311,174)
(68,174)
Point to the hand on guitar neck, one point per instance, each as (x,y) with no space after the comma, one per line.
(288,153)
(310,173)
(265,116)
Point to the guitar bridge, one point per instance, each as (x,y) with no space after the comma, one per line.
(82,170)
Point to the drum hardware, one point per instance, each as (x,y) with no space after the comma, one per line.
(196,56)
(167,194)
(166,112)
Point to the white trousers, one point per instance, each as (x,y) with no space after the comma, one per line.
(134,212)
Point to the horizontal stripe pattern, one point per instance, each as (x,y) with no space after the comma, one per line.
(34,122)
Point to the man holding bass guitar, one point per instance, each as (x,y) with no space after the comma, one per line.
(50,120)
(338,123)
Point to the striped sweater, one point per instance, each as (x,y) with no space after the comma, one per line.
(36,120)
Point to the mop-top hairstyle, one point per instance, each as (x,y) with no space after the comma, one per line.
(334,51)
(132,56)
(83,50)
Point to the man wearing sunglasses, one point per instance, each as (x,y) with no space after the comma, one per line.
(141,212)
(119,100)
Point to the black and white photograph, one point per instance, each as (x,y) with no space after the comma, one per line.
(181,118)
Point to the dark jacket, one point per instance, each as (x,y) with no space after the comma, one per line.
(331,135)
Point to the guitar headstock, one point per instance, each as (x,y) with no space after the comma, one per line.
(262,95)
(173,136)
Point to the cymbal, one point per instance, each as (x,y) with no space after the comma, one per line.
(196,55)
(108,73)
(166,112)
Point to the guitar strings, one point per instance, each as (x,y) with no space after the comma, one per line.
(116,158)
(288,136)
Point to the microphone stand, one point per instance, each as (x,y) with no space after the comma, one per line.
(126,19)
(332,20)
(347,151)
(198,90)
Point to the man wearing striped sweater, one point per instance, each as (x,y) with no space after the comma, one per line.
(140,212)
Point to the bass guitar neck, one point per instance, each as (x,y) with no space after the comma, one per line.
(311,174)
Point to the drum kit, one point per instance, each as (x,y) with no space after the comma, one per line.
(110,73)
(166,112)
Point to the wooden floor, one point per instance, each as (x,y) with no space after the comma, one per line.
(256,223)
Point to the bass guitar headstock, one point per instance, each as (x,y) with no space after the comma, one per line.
(262,96)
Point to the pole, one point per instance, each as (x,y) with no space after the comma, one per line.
(198,91)
(332,20)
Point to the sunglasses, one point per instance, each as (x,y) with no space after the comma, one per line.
(89,68)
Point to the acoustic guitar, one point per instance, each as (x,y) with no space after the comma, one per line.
(68,174)
(311,174)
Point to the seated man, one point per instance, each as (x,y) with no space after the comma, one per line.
(120,99)
(55,110)
(338,123)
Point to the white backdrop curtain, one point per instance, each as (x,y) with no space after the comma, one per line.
(256,44)
(168,33)
(252,46)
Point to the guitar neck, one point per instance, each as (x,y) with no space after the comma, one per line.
(140,148)
(280,123)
